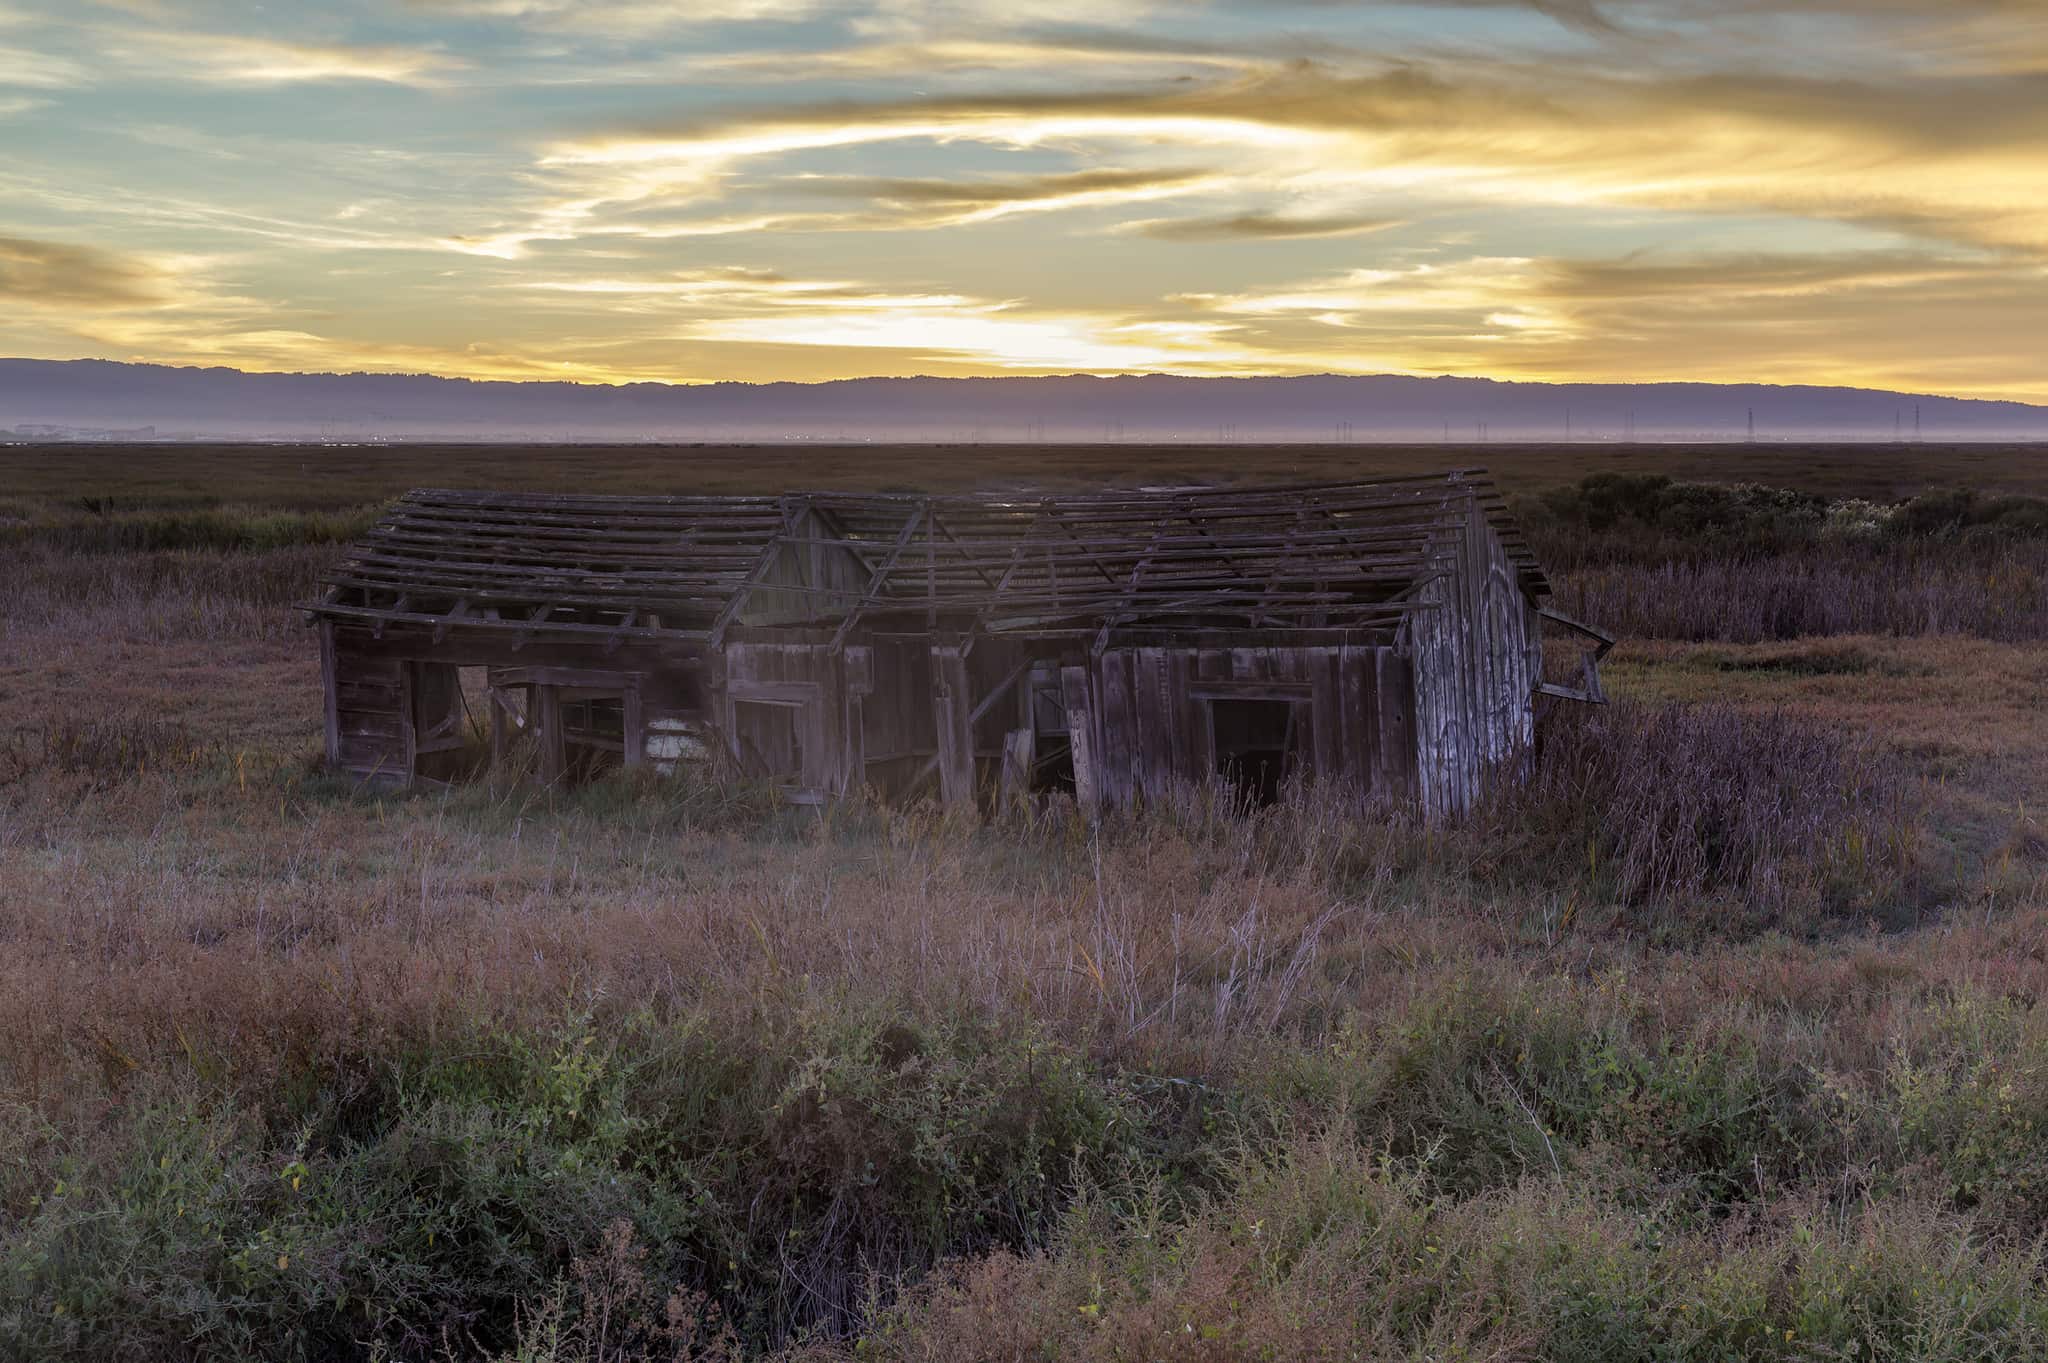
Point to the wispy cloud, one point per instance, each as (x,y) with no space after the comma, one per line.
(1965,161)
(944,203)
(1262,227)
(34,271)
(624,18)
(738,287)
(1884,318)
(24,68)
(230,59)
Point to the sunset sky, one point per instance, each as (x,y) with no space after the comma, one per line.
(1832,191)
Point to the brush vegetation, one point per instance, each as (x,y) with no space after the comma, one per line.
(1717,1036)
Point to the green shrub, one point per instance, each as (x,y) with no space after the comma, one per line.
(771,1163)
(1481,1085)
(1333,1252)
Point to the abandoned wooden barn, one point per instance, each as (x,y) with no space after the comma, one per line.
(1383,637)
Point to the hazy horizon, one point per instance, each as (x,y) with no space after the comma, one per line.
(98,398)
(907,375)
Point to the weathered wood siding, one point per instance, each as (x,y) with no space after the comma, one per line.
(1475,665)
(1148,725)
(804,578)
(761,691)
(394,699)
(896,715)
(899,728)
(368,709)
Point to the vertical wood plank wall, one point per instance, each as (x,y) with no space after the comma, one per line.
(368,722)
(1475,667)
(799,684)
(1149,728)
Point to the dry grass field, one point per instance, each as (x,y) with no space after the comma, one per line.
(1721,1038)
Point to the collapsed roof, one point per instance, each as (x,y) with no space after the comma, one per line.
(1347,555)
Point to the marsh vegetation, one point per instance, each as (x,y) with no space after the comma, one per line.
(1719,1036)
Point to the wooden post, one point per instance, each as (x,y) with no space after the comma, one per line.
(1080,738)
(330,682)
(544,719)
(953,715)
(632,730)
(408,721)
(501,725)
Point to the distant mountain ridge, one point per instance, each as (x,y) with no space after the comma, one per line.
(103,398)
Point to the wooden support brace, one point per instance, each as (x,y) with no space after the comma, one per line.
(1590,691)
(545,719)
(955,723)
(441,629)
(501,726)
(1081,739)
(633,728)
(876,581)
(941,674)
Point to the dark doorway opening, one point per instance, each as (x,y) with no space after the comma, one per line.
(1053,771)
(1254,742)
(1052,766)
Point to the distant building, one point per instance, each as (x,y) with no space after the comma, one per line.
(1380,637)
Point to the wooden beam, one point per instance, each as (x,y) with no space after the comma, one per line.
(460,609)
(876,579)
(545,719)
(1001,689)
(955,723)
(634,731)
(1599,636)
(738,599)
(1081,740)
